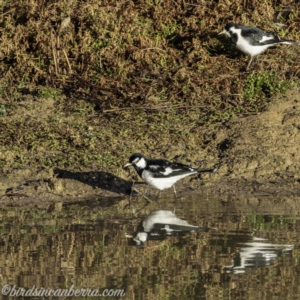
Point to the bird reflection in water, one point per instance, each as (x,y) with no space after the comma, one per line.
(256,253)
(160,224)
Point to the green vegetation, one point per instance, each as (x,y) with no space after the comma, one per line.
(128,76)
(262,85)
(3,110)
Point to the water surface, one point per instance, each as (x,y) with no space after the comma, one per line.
(203,248)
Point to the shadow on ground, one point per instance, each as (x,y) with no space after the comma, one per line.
(98,180)
(92,189)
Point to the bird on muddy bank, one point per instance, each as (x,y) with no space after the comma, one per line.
(253,41)
(161,173)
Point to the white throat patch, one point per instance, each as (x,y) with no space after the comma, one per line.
(235,30)
(140,163)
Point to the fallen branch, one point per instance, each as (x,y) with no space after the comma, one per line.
(153,108)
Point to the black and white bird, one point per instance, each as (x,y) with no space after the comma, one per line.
(253,41)
(161,173)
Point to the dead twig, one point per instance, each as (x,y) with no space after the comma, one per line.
(153,108)
(53,46)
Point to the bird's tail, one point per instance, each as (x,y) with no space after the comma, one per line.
(288,42)
(207,170)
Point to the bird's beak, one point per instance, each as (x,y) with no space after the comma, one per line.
(127,165)
(223,32)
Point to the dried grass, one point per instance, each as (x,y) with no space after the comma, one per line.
(127,47)
(149,57)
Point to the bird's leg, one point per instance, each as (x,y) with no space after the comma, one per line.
(175,193)
(138,211)
(175,199)
(132,189)
(158,196)
(249,63)
(256,61)
(143,195)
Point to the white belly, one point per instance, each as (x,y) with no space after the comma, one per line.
(251,50)
(162,183)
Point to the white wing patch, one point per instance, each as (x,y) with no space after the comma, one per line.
(153,167)
(266,38)
(168,171)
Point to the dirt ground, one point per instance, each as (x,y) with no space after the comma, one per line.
(255,155)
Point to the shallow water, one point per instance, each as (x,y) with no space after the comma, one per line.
(227,248)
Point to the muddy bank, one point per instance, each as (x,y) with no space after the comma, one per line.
(256,155)
(110,190)
(266,145)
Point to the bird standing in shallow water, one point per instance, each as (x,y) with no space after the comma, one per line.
(253,41)
(161,173)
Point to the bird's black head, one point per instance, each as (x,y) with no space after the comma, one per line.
(137,160)
(230,31)
(230,25)
(229,28)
